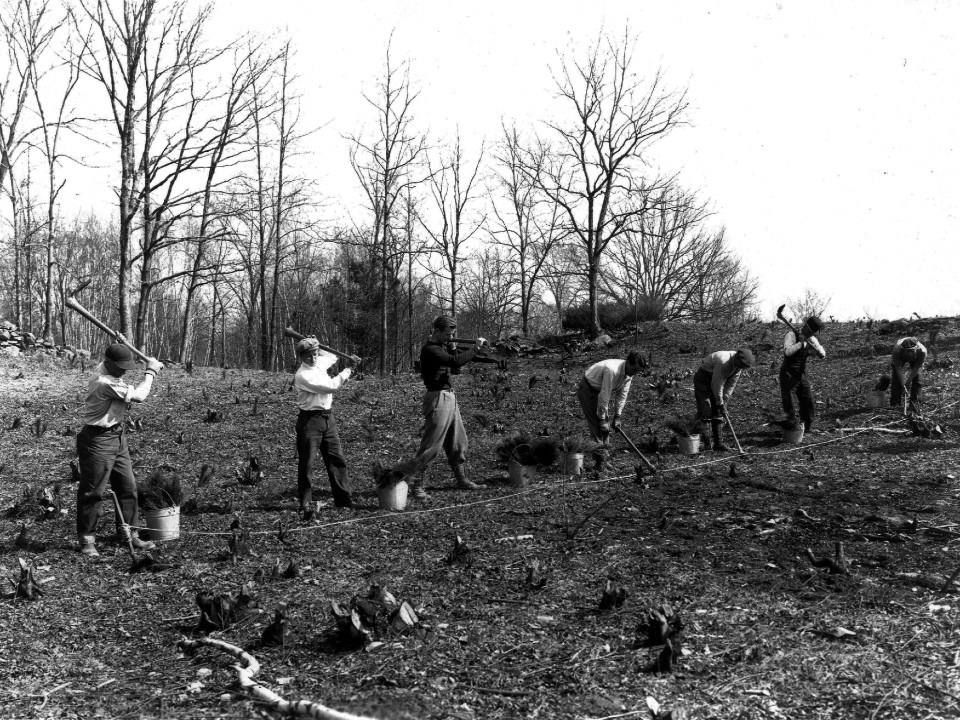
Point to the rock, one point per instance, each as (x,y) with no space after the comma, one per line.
(10,351)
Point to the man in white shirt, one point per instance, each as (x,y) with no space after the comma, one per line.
(793,371)
(602,382)
(713,386)
(316,426)
(104,456)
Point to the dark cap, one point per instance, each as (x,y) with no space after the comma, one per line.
(443,322)
(814,324)
(121,356)
(307,345)
(743,358)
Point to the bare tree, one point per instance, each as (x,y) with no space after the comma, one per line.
(235,123)
(26,33)
(564,277)
(453,188)
(670,264)
(387,162)
(526,224)
(594,171)
(52,123)
(489,301)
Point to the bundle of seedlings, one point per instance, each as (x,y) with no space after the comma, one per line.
(218,611)
(161,490)
(790,423)
(387,476)
(506,447)
(47,499)
(684,425)
(575,444)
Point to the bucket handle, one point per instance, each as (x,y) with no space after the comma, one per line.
(513,453)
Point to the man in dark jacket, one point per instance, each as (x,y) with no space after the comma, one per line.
(793,371)
(909,354)
(443,426)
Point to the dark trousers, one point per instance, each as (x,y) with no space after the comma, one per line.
(317,431)
(791,382)
(589,399)
(896,390)
(104,458)
(706,404)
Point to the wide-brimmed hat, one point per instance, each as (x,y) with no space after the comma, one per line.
(121,356)
(814,324)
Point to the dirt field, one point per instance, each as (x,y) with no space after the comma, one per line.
(510,626)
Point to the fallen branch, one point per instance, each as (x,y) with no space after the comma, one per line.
(875,429)
(251,667)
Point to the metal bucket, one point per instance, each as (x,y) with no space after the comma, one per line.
(572,463)
(394,497)
(521,475)
(689,445)
(794,437)
(163,524)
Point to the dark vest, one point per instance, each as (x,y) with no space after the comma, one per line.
(796,364)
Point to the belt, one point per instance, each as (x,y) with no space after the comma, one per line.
(99,429)
(319,411)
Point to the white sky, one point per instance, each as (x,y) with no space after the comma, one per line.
(824,133)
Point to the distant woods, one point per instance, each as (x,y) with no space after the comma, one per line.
(220,234)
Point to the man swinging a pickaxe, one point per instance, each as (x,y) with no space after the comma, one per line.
(796,346)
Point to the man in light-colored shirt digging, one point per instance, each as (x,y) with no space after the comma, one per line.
(713,386)
(316,426)
(602,382)
(793,371)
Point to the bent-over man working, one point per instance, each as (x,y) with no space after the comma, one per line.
(713,386)
(909,354)
(602,382)
(443,426)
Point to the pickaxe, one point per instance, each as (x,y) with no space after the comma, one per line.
(646,462)
(72,303)
(291,333)
(790,325)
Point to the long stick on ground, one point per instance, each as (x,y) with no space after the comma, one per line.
(251,667)
(646,462)
(730,425)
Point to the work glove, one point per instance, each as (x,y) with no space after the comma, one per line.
(605,427)
(354,360)
(154,366)
(721,410)
(481,342)
(452,348)
(615,424)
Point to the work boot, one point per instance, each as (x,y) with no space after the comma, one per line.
(88,546)
(139,544)
(461,480)
(418,491)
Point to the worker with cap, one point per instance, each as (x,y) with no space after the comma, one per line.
(793,377)
(603,381)
(909,354)
(713,386)
(440,358)
(104,457)
(317,427)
